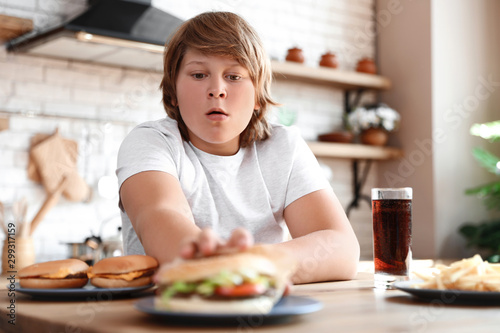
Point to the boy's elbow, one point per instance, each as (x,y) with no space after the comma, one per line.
(351,260)
(351,270)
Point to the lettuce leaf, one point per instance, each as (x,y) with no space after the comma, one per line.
(207,287)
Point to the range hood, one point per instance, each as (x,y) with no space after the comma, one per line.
(126,33)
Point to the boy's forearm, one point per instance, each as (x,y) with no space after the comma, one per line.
(324,255)
(161,233)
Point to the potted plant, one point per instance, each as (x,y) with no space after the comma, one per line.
(373,122)
(486,235)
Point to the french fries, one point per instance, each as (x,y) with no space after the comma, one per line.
(471,274)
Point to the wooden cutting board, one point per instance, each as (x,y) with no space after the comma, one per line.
(51,159)
(70,146)
(12,27)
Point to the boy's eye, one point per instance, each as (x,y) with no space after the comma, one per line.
(198,75)
(234,77)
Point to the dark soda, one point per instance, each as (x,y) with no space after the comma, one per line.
(392,236)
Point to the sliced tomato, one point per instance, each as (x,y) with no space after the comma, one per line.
(242,290)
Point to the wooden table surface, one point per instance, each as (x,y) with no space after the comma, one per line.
(348,306)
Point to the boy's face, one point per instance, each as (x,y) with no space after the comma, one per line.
(216,99)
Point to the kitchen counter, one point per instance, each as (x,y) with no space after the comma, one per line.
(348,306)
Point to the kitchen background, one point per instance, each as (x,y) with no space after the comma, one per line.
(97,105)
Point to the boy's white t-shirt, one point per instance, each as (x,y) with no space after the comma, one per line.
(249,189)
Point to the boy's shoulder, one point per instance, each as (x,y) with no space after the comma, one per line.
(282,137)
(164,125)
(157,134)
(282,132)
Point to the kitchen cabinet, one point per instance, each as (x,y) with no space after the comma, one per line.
(353,84)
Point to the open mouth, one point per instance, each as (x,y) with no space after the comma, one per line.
(216,112)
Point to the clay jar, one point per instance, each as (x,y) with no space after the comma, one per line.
(328,60)
(296,55)
(374,137)
(366,65)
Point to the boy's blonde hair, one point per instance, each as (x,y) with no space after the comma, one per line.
(221,34)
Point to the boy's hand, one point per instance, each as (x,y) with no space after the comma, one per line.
(209,243)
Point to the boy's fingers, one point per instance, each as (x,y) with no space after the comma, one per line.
(288,288)
(240,238)
(197,246)
(188,250)
(208,242)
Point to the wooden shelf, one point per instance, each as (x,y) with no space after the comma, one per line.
(353,151)
(12,27)
(352,83)
(284,70)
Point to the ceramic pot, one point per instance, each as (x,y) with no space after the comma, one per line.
(328,60)
(17,254)
(366,65)
(296,55)
(374,137)
(341,137)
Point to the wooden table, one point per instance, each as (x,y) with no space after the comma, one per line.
(349,306)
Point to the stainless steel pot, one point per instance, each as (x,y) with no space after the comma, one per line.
(81,251)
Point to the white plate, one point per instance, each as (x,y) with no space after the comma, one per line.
(285,309)
(448,296)
(86,291)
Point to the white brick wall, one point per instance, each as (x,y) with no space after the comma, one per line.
(113,99)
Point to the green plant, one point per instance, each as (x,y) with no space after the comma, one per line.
(486,235)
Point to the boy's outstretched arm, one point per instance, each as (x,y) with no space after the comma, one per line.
(323,241)
(162,219)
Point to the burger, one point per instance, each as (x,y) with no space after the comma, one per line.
(123,272)
(249,282)
(67,273)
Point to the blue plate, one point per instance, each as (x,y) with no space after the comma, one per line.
(88,290)
(449,296)
(284,310)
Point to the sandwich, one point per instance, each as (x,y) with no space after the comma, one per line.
(67,273)
(123,272)
(249,282)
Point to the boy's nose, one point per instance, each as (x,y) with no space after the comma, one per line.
(217,93)
(217,88)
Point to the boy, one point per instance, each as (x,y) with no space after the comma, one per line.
(215,174)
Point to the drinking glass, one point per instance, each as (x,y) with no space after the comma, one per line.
(392,219)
